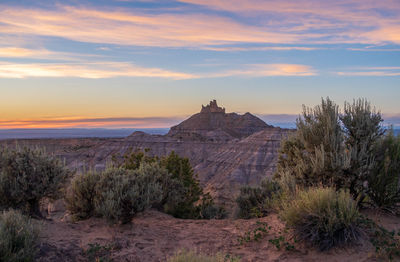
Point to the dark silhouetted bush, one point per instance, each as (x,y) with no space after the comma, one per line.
(26,176)
(18,237)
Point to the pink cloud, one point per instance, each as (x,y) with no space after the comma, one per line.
(118,27)
(263,70)
(348,21)
(277,22)
(86,70)
(372,71)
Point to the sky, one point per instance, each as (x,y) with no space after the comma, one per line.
(148,63)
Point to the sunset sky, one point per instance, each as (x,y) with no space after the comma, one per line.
(122,63)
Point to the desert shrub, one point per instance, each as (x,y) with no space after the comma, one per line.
(332,149)
(182,171)
(362,129)
(287,184)
(323,217)
(18,237)
(26,176)
(122,193)
(118,194)
(257,201)
(82,193)
(191,256)
(384,181)
(140,180)
(182,194)
(313,154)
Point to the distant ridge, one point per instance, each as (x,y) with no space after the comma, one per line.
(214,121)
(41,133)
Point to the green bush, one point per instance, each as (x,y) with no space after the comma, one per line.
(384,181)
(257,201)
(123,193)
(18,237)
(182,194)
(191,256)
(332,149)
(26,176)
(117,194)
(323,217)
(139,182)
(362,129)
(81,195)
(183,173)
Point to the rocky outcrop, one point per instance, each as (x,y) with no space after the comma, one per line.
(213,123)
(227,151)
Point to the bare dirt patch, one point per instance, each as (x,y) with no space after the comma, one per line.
(154,236)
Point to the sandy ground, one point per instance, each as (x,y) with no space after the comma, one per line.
(154,236)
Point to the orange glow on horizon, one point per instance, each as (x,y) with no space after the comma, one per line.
(157,122)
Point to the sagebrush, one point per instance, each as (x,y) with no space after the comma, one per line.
(331,148)
(323,217)
(122,193)
(81,195)
(26,176)
(183,196)
(18,237)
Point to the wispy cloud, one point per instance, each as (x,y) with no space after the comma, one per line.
(276,22)
(261,48)
(43,54)
(98,70)
(261,70)
(85,70)
(372,71)
(21,52)
(342,21)
(133,28)
(374,49)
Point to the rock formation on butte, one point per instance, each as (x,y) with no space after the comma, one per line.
(213,122)
(227,150)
